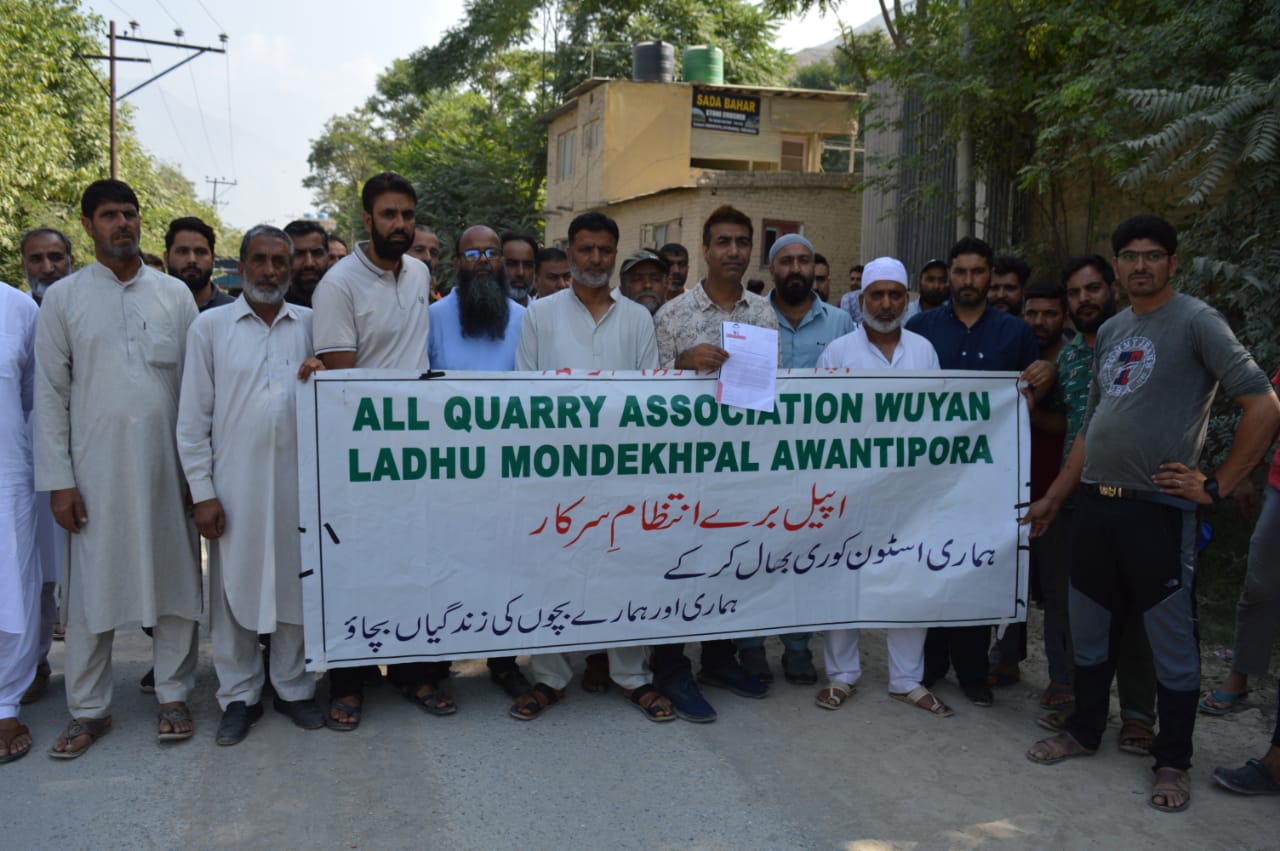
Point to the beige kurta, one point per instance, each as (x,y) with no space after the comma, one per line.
(238,439)
(108,370)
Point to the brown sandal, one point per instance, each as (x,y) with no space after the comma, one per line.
(926,700)
(94,728)
(1170,781)
(1136,737)
(1055,750)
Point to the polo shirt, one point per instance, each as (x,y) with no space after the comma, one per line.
(379,315)
(449,348)
(996,342)
(802,346)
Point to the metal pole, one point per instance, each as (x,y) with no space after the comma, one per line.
(115,157)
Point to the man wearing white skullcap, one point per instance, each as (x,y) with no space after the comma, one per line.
(880,342)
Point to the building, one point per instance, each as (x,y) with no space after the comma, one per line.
(658,157)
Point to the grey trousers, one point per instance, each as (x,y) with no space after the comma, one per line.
(1259,606)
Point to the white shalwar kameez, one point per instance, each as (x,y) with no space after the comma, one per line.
(238,440)
(108,370)
(19,566)
(906,644)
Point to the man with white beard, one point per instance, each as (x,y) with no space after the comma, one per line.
(880,342)
(46,259)
(589,326)
(237,438)
(19,566)
(477,324)
(109,351)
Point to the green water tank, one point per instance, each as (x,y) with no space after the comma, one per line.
(703,63)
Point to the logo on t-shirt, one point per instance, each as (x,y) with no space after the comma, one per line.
(1127,366)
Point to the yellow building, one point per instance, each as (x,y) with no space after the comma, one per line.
(658,157)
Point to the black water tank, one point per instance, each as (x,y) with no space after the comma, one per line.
(653,62)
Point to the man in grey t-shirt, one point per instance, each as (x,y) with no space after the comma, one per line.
(1133,469)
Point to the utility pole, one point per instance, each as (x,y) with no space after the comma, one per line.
(112,58)
(219,181)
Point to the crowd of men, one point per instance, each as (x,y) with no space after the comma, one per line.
(154,414)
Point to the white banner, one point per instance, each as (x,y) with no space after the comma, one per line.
(492,514)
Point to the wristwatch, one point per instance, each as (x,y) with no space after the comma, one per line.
(1211,487)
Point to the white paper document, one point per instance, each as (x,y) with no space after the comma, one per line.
(749,378)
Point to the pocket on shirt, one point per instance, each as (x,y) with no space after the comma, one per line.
(160,347)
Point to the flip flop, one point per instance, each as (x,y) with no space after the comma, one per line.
(346,709)
(1220,702)
(173,716)
(94,728)
(7,737)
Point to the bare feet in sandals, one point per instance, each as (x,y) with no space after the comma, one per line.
(833,694)
(15,740)
(1055,750)
(78,735)
(1172,790)
(175,723)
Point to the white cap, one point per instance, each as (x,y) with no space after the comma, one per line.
(884,269)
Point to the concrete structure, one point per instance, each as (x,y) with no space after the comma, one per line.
(659,157)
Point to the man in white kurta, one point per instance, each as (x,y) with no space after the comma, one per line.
(238,440)
(19,567)
(589,326)
(880,342)
(109,350)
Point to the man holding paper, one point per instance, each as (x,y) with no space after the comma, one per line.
(689,337)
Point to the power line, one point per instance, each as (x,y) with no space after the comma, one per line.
(211,17)
(203,124)
(231,132)
(176,23)
(172,122)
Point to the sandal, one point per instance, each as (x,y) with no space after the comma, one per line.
(1057,696)
(437,701)
(535,701)
(7,738)
(173,716)
(917,697)
(1137,737)
(351,709)
(1221,702)
(1056,722)
(94,728)
(834,694)
(653,703)
(1170,781)
(1055,750)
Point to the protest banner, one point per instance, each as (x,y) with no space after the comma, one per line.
(465,515)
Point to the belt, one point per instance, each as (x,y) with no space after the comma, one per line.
(1136,495)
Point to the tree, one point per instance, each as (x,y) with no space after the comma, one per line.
(54,120)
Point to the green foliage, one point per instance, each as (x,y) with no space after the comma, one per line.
(463,119)
(54,137)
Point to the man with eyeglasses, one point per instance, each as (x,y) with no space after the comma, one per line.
(1136,484)
(476,326)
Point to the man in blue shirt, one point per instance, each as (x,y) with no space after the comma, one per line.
(806,323)
(970,334)
(477,325)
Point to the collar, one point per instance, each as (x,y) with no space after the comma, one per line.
(816,308)
(242,309)
(385,274)
(704,301)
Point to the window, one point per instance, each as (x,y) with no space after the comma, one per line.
(771,229)
(795,153)
(564,155)
(659,233)
(836,155)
